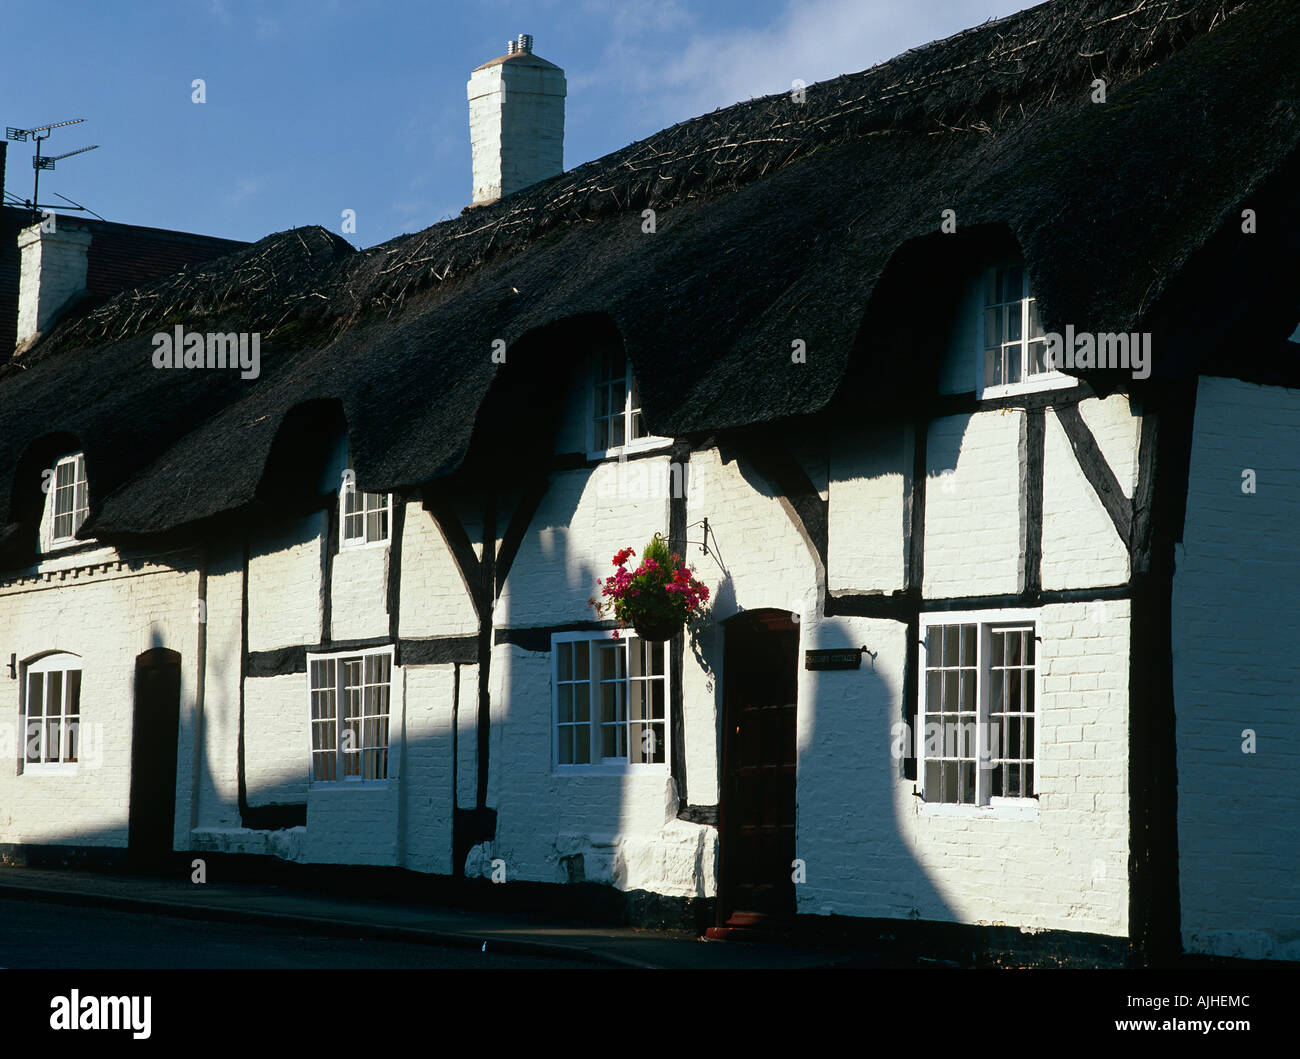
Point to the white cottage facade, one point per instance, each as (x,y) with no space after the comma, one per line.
(982,658)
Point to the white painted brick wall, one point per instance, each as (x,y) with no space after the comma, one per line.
(870,852)
(434,601)
(867,505)
(972,505)
(568,548)
(1081,548)
(360,588)
(284,585)
(107,615)
(426,801)
(1235,647)
(218,760)
(277,745)
(623,826)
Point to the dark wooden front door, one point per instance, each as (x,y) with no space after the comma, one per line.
(153,754)
(757,813)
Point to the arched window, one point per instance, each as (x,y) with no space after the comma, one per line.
(51,711)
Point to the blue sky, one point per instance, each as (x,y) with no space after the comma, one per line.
(317,106)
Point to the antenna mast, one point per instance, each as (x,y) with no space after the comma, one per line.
(47,162)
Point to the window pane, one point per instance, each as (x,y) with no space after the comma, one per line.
(564,703)
(951,642)
(74,691)
(1035,328)
(933,782)
(949,781)
(967,782)
(582,661)
(1013,283)
(992,327)
(564,661)
(35,694)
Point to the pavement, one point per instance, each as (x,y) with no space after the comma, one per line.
(505,933)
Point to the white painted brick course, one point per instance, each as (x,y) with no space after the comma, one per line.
(1235,636)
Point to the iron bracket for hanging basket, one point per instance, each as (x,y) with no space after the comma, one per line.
(704,542)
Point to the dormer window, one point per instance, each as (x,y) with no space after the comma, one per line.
(365,517)
(1013,349)
(68,500)
(616,422)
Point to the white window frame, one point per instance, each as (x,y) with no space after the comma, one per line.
(642,444)
(987,621)
(606,766)
(53,543)
(349,488)
(1047,380)
(341,779)
(60,662)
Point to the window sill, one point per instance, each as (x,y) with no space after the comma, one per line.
(50,768)
(361,546)
(1053,380)
(998,809)
(640,445)
(609,770)
(349,785)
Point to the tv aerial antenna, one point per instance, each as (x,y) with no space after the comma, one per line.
(40,161)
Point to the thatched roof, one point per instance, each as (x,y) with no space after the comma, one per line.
(775,221)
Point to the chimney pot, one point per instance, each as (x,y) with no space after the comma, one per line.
(525,43)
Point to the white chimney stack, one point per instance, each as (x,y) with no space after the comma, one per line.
(516,121)
(52,271)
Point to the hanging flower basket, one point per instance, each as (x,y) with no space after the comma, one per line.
(655,630)
(657,598)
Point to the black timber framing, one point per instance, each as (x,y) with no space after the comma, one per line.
(1096,470)
(486,594)
(478,824)
(680,454)
(1035,440)
(914,579)
(1164,459)
(520,519)
(394,594)
(411,651)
